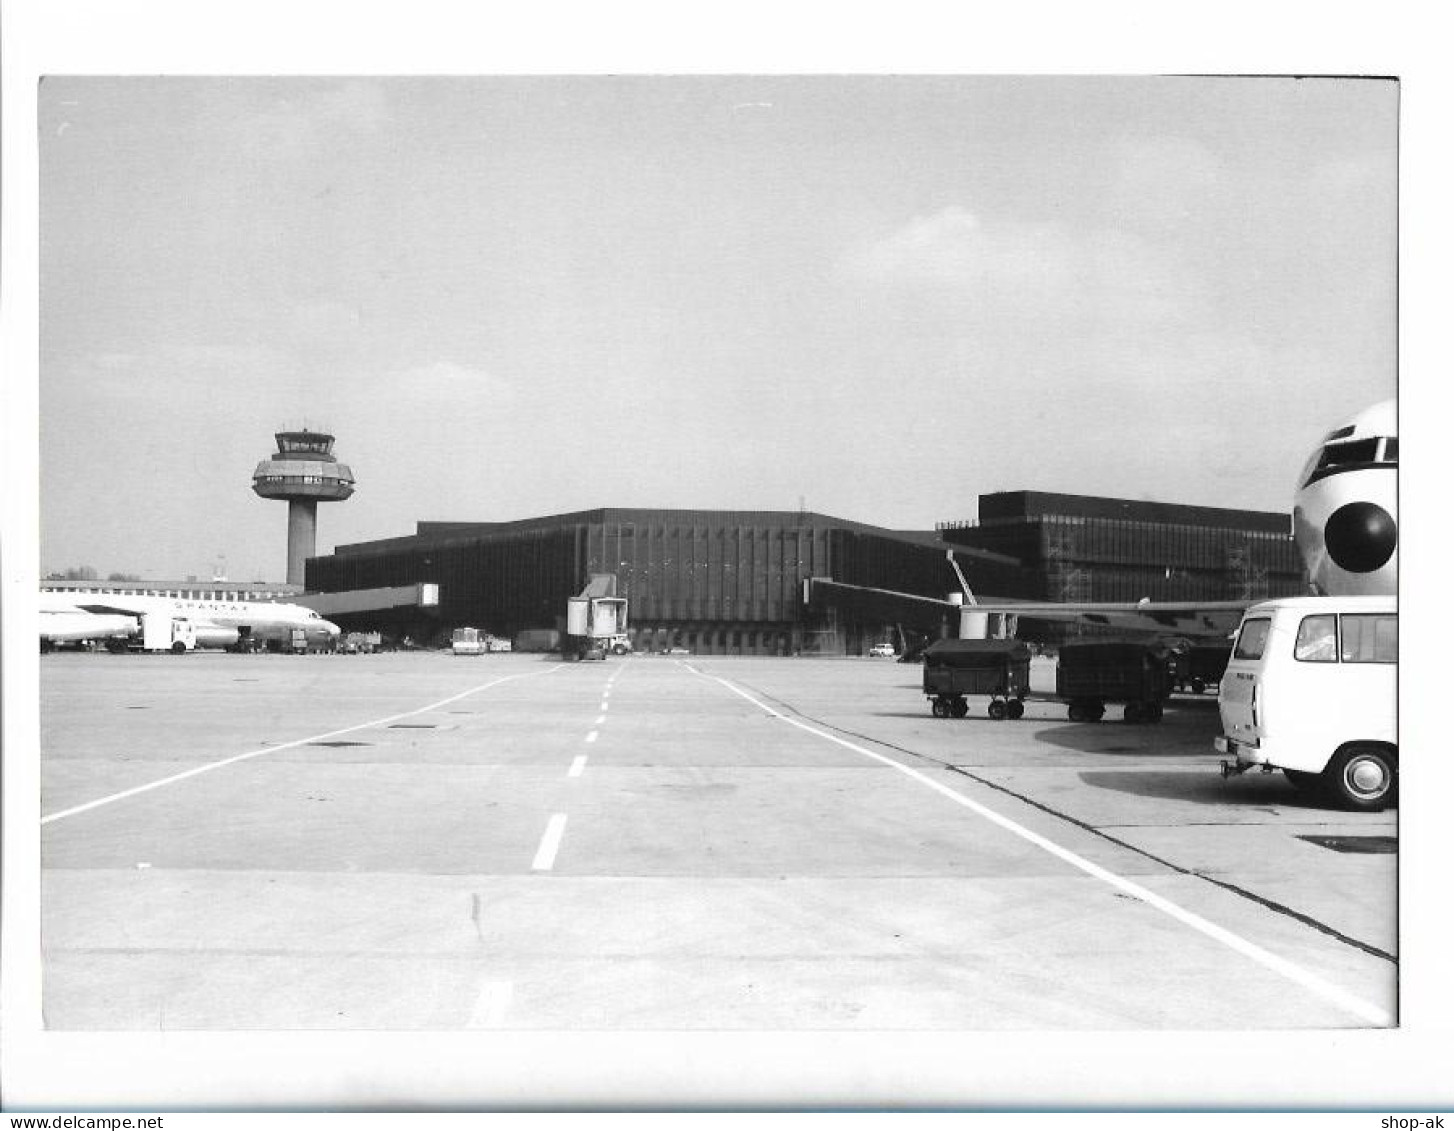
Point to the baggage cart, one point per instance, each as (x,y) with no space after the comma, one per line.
(1091,673)
(954,669)
(1203,665)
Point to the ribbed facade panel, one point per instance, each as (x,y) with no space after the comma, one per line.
(703,573)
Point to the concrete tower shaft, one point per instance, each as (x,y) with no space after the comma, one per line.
(304,472)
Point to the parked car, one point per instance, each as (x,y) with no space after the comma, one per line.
(883,650)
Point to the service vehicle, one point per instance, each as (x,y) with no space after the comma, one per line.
(469,642)
(1312,689)
(1091,673)
(997,668)
(361,643)
(595,622)
(886,650)
(163,633)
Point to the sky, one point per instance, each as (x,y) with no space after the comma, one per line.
(873,297)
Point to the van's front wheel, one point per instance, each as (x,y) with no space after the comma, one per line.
(1361,777)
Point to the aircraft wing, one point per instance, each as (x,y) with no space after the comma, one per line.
(1215,619)
(101,608)
(1184,618)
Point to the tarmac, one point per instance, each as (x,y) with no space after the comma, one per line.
(418,841)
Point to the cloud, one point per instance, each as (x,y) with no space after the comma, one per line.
(466,387)
(1013,270)
(952,248)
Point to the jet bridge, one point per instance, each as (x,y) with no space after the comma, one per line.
(423,595)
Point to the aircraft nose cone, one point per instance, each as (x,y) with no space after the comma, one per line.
(1360,537)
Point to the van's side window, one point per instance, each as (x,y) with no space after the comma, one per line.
(1253,639)
(1370,638)
(1317,640)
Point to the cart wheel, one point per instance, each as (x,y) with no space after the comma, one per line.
(1153,712)
(997,710)
(1097,712)
(940,709)
(958,709)
(1133,713)
(1198,686)
(1077,714)
(1015,708)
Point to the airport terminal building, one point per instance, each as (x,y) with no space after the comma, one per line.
(731,582)
(1082,548)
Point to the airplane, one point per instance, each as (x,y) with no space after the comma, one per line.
(1345,513)
(1345,526)
(208,623)
(61,622)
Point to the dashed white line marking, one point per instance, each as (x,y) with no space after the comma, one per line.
(491,1006)
(549,844)
(1305,978)
(577,765)
(605,706)
(284,746)
(600,719)
(592,736)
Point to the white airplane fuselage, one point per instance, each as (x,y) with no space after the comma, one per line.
(1345,508)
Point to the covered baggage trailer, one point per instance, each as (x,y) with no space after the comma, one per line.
(1203,665)
(1091,673)
(997,668)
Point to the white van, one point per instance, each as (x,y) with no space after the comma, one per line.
(1312,689)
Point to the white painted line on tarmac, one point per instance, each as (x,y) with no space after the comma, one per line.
(592,736)
(605,705)
(578,764)
(1305,978)
(491,1006)
(599,720)
(549,844)
(285,746)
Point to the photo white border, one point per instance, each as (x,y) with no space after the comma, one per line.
(542,1071)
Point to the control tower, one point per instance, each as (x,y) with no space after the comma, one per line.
(304,471)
